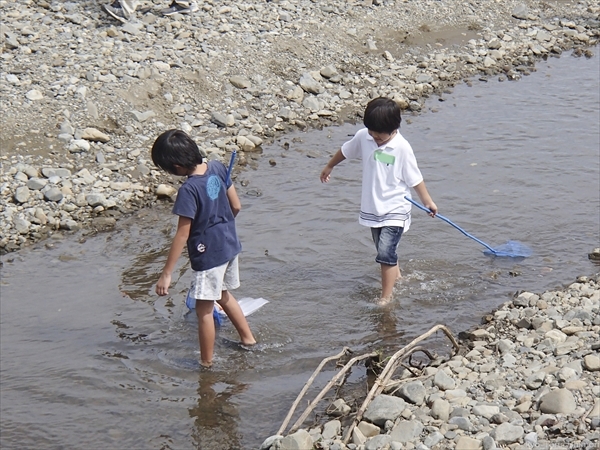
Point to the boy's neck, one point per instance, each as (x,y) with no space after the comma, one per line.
(200,169)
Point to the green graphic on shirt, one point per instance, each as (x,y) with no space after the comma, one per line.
(384,157)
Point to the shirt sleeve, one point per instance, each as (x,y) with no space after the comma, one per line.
(352,148)
(185,203)
(410,172)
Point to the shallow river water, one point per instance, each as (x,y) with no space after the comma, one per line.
(91,358)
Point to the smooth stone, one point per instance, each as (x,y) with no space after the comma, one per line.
(384,407)
(591,363)
(406,431)
(468,443)
(22,194)
(444,381)
(559,401)
(507,433)
(53,194)
(300,440)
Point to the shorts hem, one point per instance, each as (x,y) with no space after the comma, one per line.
(387,263)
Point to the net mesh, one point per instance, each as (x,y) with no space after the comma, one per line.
(512,249)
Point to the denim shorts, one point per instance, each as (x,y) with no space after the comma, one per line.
(386,242)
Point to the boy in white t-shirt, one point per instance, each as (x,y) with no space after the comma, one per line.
(389,171)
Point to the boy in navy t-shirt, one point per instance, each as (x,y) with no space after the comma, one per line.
(206,204)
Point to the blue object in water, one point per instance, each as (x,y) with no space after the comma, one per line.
(190,302)
(512,249)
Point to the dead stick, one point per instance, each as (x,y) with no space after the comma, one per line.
(326,388)
(306,386)
(388,371)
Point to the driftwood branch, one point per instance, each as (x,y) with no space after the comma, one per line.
(388,371)
(344,351)
(331,383)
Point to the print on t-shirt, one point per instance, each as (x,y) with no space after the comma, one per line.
(213,186)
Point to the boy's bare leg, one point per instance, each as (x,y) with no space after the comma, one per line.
(236,315)
(389,276)
(206,331)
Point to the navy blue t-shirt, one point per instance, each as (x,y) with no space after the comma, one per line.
(203,198)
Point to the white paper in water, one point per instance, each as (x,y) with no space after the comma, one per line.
(248,305)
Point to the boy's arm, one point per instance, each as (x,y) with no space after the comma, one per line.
(181,237)
(421,190)
(234,200)
(334,161)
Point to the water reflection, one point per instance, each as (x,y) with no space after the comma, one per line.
(215,415)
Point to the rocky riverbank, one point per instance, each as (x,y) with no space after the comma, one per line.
(527,378)
(83,96)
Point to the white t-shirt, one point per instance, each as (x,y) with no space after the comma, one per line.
(388,174)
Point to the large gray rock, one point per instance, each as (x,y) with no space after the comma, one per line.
(95,135)
(444,381)
(440,409)
(53,195)
(331,429)
(433,439)
(413,392)
(368,429)
(535,380)
(56,172)
(508,433)
(21,225)
(95,199)
(406,431)
(521,12)
(300,440)
(559,401)
(486,411)
(384,407)
(240,82)
(463,423)
(222,120)
(378,442)
(467,443)
(591,363)
(310,85)
(22,194)
(37,183)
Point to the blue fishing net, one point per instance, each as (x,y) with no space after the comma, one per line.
(511,249)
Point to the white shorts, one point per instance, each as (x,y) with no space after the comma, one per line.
(209,284)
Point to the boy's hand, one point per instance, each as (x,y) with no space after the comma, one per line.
(162,287)
(432,207)
(325,174)
(334,161)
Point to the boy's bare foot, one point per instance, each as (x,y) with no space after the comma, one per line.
(384,301)
(206,364)
(248,344)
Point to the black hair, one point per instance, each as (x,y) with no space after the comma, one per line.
(175,147)
(382,115)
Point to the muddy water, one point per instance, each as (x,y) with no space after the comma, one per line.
(91,359)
